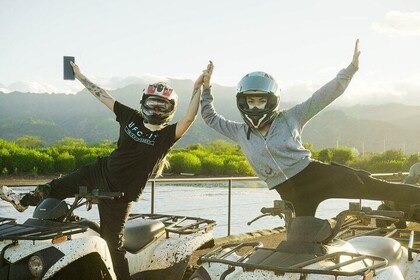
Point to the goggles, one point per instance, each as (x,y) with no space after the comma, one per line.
(158,104)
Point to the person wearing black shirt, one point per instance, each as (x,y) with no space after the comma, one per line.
(145,138)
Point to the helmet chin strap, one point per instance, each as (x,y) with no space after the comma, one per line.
(154,127)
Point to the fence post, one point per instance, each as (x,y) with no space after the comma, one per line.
(229,205)
(152,210)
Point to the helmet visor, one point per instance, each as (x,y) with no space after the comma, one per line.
(158,104)
(257,84)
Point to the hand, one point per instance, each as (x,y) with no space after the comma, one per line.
(204,78)
(356,54)
(76,69)
(207,74)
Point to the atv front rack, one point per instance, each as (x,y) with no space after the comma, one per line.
(178,224)
(33,230)
(280,263)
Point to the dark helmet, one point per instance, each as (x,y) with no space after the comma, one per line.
(158,103)
(51,209)
(258,84)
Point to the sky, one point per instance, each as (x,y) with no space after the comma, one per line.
(302,43)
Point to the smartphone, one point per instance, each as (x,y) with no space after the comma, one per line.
(68,70)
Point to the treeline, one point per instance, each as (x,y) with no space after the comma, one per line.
(28,155)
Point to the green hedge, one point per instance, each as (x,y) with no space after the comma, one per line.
(183,162)
(216,158)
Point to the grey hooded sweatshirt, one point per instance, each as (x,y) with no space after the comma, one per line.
(279,155)
(413,174)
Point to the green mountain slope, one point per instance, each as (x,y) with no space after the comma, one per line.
(54,116)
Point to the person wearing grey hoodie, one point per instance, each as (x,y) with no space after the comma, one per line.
(413,174)
(272,142)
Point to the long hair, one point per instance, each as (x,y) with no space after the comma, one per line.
(162,164)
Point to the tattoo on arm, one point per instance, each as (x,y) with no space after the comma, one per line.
(196,90)
(94,89)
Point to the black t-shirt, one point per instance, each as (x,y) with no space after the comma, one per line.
(139,151)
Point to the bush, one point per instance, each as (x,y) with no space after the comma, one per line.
(362,162)
(342,155)
(183,162)
(30,142)
(245,168)
(324,155)
(65,163)
(201,154)
(231,166)
(24,160)
(391,166)
(212,165)
(5,160)
(389,155)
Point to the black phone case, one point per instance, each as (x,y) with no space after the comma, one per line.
(68,70)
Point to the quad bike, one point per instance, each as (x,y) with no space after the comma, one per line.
(344,247)
(56,244)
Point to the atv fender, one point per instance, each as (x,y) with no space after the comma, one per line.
(168,252)
(79,248)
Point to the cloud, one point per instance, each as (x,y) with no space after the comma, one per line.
(39,87)
(120,82)
(72,88)
(360,92)
(397,23)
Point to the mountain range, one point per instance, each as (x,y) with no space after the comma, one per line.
(368,128)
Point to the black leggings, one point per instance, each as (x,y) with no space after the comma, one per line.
(320,181)
(112,213)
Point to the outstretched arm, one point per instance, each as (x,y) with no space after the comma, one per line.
(203,80)
(329,92)
(101,94)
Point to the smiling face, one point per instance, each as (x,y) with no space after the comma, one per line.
(256,101)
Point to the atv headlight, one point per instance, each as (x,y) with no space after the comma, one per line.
(36,265)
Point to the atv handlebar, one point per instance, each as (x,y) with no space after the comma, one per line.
(284,210)
(89,199)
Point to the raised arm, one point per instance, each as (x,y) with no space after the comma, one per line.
(101,94)
(203,80)
(329,92)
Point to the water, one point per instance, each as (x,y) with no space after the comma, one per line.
(206,201)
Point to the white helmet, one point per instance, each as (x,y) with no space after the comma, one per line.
(158,103)
(259,84)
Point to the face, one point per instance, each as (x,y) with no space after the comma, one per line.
(256,101)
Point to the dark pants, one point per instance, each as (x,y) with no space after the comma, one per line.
(320,181)
(113,213)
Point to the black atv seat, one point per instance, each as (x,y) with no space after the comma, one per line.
(310,229)
(307,235)
(267,257)
(140,232)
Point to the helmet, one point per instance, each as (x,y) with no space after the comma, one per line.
(51,209)
(257,84)
(158,103)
